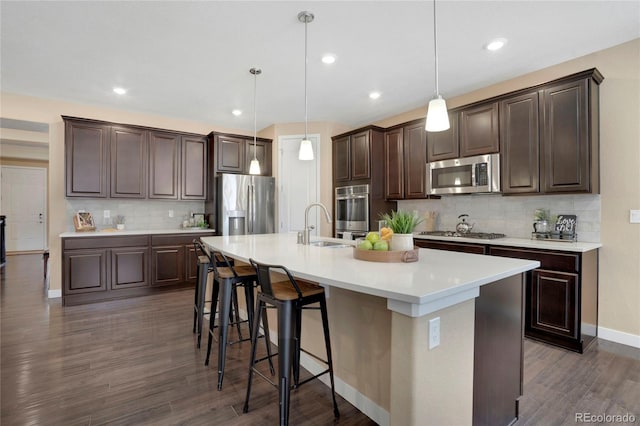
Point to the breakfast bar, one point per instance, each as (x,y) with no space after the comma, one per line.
(381,317)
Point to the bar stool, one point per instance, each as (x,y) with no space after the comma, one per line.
(289,298)
(226,280)
(204,262)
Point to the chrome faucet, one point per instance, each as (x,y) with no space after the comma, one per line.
(306,233)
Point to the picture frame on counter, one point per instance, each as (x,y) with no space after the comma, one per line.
(83,221)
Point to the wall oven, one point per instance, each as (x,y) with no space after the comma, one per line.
(352,210)
(464,175)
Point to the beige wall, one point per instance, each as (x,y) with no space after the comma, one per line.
(619,274)
(619,294)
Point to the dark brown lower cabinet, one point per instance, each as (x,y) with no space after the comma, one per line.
(118,267)
(451,246)
(561,296)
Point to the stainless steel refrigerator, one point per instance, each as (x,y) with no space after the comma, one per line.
(246,204)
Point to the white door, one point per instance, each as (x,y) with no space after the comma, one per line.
(298,184)
(23,200)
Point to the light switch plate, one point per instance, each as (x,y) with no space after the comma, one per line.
(107,214)
(634,216)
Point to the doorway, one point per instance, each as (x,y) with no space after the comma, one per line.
(299,184)
(23,199)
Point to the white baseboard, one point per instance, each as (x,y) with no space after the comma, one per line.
(54,294)
(619,337)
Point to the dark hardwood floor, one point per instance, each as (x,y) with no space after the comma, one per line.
(134,362)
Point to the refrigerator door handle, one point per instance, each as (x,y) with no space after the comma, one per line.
(250,208)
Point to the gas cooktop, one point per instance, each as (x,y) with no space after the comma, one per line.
(477,235)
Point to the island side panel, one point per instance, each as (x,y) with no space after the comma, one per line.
(433,387)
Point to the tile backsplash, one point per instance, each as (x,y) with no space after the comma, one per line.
(138,214)
(511,215)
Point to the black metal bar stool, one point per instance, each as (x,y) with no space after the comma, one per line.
(226,280)
(204,269)
(289,298)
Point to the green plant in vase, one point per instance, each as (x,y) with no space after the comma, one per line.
(402,224)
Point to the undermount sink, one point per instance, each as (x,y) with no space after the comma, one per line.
(330,244)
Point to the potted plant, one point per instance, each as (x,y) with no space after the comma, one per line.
(402,224)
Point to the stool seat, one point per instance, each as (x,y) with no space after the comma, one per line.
(284,291)
(241,271)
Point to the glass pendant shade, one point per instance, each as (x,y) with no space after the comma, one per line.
(437,116)
(254,167)
(306,150)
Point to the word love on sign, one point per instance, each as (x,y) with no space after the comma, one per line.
(566,223)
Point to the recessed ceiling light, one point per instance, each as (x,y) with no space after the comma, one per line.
(236,112)
(496,44)
(374,95)
(119,90)
(328,59)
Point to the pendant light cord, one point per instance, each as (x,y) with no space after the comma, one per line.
(305,78)
(255,114)
(435,45)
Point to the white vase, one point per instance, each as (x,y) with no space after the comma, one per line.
(402,242)
(120,226)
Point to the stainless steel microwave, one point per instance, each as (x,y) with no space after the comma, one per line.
(464,175)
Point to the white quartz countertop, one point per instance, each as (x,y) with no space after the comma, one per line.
(438,280)
(520,242)
(125,232)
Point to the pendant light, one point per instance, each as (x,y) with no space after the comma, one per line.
(254,167)
(437,116)
(306,149)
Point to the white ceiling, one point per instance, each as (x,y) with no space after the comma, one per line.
(191,60)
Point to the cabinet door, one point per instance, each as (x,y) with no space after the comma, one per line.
(444,145)
(479,132)
(415,161)
(519,136)
(566,161)
(360,156)
(341,160)
(129,267)
(85,271)
(230,154)
(86,159)
(128,163)
(553,303)
(262,154)
(167,265)
(191,263)
(194,168)
(393,165)
(164,164)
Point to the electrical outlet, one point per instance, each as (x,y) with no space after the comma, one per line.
(434,332)
(634,216)
(170,213)
(107,214)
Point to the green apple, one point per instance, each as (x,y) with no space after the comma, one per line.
(365,245)
(373,237)
(381,245)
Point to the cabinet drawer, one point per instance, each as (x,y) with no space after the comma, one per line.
(450,246)
(556,261)
(176,239)
(104,242)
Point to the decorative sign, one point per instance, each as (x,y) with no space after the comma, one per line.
(566,223)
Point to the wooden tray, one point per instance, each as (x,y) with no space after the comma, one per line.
(401,256)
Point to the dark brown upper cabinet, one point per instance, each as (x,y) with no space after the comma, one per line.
(230,154)
(519,133)
(86,159)
(352,156)
(479,132)
(194,168)
(164,165)
(128,163)
(262,154)
(394,164)
(405,153)
(444,145)
(120,161)
(570,143)
(233,153)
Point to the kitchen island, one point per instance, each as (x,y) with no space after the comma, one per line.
(382,358)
